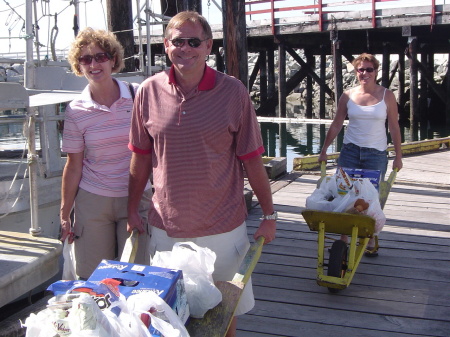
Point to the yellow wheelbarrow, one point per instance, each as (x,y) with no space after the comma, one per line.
(344,259)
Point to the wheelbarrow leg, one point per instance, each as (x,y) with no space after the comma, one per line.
(321,249)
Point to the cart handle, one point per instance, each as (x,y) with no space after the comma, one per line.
(385,187)
(392,177)
(323,169)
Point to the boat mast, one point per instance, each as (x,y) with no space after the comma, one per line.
(29,81)
(76,18)
(149,46)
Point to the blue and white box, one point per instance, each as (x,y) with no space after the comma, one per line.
(358,174)
(134,279)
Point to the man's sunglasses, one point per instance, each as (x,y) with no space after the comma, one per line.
(362,70)
(192,42)
(99,58)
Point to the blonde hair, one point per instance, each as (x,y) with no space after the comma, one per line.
(366,57)
(107,41)
(188,16)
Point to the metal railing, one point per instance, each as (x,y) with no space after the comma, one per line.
(322,7)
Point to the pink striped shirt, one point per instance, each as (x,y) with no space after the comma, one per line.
(197,143)
(102,133)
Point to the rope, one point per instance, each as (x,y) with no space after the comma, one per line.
(30,159)
(53,38)
(26,126)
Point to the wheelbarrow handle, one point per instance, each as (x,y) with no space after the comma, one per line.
(392,177)
(323,169)
(250,261)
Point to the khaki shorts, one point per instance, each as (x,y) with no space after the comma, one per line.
(230,249)
(100,227)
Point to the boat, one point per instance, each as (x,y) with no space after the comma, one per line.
(30,178)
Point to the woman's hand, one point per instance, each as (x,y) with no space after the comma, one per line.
(322,157)
(397,164)
(66,230)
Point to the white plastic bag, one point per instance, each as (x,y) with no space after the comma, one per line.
(46,323)
(69,270)
(325,197)
(83,318)
(127,323)
(369,193)
(86,319)
(364,189)
(141,304)
(347,200)
(197,264)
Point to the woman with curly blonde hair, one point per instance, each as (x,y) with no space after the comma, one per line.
(95,178)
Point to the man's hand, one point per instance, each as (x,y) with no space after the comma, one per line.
(135,221)
(267,229)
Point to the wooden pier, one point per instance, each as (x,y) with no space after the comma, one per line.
(405,291)
(407,38)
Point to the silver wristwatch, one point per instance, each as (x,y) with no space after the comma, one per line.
(273,216)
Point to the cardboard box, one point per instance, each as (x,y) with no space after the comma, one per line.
(357,174)
(135,278)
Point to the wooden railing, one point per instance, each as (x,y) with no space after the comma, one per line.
(321,7)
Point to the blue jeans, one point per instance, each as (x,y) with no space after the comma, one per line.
(353,156)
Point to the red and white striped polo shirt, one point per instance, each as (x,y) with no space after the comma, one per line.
(197,143)
(103,134)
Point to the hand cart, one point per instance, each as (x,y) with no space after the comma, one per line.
(216,321)
(344,259)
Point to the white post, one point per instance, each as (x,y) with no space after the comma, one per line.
(149,47)
(138,20)
(35,230)
(29,81)
(29,63)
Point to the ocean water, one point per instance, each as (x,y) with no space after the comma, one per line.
(288,140)
(293,140)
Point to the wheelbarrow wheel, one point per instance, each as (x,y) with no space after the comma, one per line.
(337,263)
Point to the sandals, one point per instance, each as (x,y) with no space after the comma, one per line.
(372,251)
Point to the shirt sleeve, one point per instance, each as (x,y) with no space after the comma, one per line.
(140,140)
(73,140)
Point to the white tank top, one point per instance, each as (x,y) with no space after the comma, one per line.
(366,127)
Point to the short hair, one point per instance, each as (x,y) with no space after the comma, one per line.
(366,57)
(103,39)
(188,16)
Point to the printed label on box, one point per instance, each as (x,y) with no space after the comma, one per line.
(134,279)
(358,174)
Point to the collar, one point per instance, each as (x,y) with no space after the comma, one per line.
(123,87)
(207,82)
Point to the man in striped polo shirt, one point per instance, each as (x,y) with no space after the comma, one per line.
(195,130)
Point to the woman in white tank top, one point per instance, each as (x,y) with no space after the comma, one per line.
(367,107)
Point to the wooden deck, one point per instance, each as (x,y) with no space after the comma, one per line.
(405,291)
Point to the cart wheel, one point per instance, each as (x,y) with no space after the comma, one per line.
(337,263)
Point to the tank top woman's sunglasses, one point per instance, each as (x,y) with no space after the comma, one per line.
(99,58)
(362,70)
(192,42)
